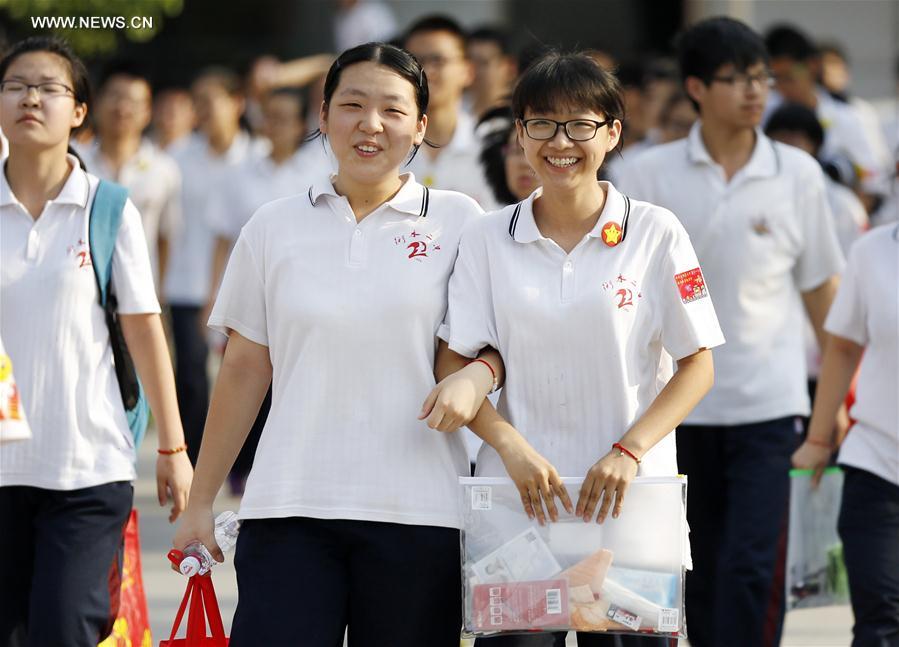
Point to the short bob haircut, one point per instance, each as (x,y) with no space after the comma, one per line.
(77,72)
(707,46)
(567,82)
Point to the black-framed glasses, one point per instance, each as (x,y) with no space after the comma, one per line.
(46,90)
(577,130)
(763,79)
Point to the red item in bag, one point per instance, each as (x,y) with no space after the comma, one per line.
(131,626)
(203,607)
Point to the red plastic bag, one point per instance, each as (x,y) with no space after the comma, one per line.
(131,627)
(203,607)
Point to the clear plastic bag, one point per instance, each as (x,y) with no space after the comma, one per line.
(816,572)
(625,575)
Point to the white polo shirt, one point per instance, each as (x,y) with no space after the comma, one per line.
(350,313)
(587,338)
(866,311)
(762,238)
(457,166)
(189,272)
(154,184)
(55,332)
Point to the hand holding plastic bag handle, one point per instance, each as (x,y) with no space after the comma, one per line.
(537,480)
(607,479)
(812,456)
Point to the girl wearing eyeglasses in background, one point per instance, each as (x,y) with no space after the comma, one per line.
(587,295)
(65,495)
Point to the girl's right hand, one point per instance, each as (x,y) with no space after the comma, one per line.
(198,525)
(537,481)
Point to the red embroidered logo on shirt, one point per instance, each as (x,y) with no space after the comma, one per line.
(691,285)
(418,249)
(626,292)
(81,252)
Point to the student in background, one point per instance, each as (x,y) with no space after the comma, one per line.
(507,171)
(494,68)
(758,217)
(439,44)
(677,117)
(204,165)
(174,118)
(249,185)
(66,494)
(796,67)
(122,154)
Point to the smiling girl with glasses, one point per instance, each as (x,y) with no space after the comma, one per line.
(587,295)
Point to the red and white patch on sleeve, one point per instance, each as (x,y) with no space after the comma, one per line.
(691,285)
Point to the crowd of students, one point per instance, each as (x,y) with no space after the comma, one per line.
(645,220)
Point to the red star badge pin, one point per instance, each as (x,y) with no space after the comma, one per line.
(611,234)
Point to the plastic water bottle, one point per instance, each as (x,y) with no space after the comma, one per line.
(197,560)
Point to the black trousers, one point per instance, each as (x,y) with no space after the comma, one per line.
(191,381)
(60,560)
(305,581)
(869,528)
(737,506)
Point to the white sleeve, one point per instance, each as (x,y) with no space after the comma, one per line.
(132,275)
(849,312)
(688,319)
(820,257)
(240,304)
(469,325)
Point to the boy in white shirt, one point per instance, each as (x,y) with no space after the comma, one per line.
(122,155)
(439,44)
(758,218)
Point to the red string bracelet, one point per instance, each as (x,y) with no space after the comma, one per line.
(492,372)
(169,452)
(624,451)
(819,443)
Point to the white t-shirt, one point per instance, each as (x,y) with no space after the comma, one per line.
(154,184)
(762,238)
(457,166)
(187,279)
(349,312)
(866,311)
(587,338)
(55,331)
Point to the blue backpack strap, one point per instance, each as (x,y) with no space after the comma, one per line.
(104,222)
(103,230)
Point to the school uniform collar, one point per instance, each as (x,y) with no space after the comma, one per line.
(614,215)
(412,198)
(763,163)
(76,189)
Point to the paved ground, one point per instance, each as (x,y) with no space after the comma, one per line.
(829,627)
